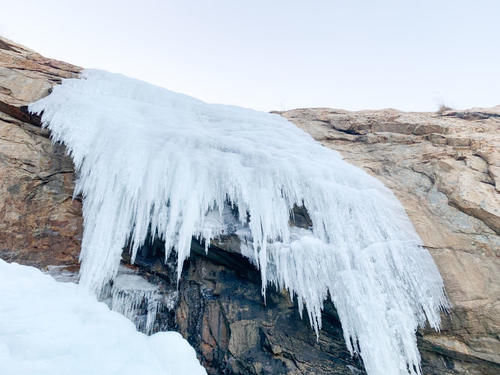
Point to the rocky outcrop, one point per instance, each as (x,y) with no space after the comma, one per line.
(39,222)
(445,169)
(220,311)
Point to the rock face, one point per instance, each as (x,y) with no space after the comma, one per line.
(39,222)
(220,311)
(445,169)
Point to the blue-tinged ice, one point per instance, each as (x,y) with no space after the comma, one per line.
(153,160)
(133,297)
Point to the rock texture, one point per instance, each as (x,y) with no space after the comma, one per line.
(39,222)
(220,311)
(445,169)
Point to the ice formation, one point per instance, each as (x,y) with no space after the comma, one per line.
(151,160)
(55,328)
(131,295)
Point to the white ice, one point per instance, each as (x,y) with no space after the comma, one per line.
(153,160)
(55,328)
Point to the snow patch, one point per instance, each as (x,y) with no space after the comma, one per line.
(59,328)
(154,161)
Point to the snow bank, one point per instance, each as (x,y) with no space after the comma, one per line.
(153,160)
(54,328)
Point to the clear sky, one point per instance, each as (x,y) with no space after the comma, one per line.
(279,54)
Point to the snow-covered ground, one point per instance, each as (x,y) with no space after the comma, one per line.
(56,328)
(153,160)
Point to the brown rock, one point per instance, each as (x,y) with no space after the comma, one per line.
(444,170)
(39,222)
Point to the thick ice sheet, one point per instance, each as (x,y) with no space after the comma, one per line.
(151,159)
(54,328)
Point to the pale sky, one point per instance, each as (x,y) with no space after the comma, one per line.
(278,54)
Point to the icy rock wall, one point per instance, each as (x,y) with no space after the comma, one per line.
(154,161)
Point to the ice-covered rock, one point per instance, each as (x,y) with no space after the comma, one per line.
(154,161)
(137,299)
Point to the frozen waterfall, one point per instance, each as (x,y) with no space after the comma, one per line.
(154,161)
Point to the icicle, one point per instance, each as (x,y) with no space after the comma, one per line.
(153,160)
(134,297)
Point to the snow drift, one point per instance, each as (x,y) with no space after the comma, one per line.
(55,328)
(154,161)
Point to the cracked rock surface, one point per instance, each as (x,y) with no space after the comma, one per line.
(444,168)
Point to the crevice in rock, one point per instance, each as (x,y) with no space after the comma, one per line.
(471,116)
(20,113)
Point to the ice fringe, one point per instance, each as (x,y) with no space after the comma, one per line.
(131,295)
(153,160)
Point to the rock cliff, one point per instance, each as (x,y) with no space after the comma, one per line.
(39,222)
(445,169)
